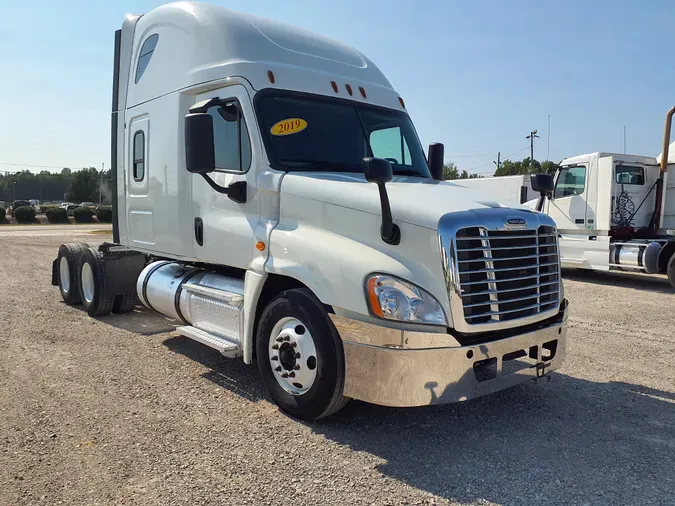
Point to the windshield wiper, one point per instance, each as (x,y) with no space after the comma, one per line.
(318,164)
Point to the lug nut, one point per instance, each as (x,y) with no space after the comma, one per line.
(278,368)
(275,346)
(297,367)
(275,357)
(286,338)
(284,375)
(294,344)
(297,355)
(280,339)
(291,374)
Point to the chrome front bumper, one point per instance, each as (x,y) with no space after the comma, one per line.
(400,374)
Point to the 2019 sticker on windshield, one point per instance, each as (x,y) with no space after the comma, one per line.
(288,126)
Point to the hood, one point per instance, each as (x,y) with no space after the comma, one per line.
(413,200)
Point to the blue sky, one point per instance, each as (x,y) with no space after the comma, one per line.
(475,75)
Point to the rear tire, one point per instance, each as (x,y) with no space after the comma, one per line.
(93,285)
(68,267)
(671,270)
(310,329)
(124,303)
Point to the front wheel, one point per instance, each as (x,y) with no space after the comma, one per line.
(300,356)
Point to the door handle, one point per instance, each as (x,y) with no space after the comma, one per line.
(579,221)
(199,231)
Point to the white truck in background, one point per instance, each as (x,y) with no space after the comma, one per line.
(270,193)
(510,188)
(614,211)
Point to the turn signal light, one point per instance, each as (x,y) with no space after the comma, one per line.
(260,246)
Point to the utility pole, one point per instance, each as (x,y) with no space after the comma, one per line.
(624,139)
(548,140)
(498,162)
(533,135)
(100,185)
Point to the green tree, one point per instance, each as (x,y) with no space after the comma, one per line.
(450,171)
(549,167)
(84,185)
(511,168)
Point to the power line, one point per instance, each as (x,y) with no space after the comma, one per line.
(37,166)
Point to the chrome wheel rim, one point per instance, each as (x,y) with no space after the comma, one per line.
(64,275)
(292,356)
(87,280)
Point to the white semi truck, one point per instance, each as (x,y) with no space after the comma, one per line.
(272,196)
(614,211)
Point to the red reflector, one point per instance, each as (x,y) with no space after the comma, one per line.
(270,76)
(363,92)
(334,85)
(349,89)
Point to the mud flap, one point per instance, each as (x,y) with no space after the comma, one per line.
(55,277)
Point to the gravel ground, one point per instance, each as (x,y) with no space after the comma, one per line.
(120,410)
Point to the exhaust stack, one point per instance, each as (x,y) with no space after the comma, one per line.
(656,218)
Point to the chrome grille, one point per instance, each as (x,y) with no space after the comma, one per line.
(507,274)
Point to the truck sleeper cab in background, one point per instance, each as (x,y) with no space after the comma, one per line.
(272,196)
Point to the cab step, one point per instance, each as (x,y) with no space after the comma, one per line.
(230,349)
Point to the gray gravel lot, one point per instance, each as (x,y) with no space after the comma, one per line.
(121,410)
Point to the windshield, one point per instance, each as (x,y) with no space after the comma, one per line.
(313,133)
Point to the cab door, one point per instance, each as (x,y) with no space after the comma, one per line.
(223,227)
(568,205)
(568,208)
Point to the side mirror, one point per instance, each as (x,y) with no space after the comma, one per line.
(543,184)
(378,171)
(200,156)
(436,152)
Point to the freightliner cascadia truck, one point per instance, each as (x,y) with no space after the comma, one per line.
(272,196)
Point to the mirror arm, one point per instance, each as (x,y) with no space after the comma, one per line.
(390,232)
(542,197)
(236,191)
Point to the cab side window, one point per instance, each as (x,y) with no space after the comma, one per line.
(230,136)
(571,181)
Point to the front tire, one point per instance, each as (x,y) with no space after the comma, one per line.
(300,356)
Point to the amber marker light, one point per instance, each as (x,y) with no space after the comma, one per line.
(374,300)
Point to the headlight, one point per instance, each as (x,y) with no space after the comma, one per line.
(395,299)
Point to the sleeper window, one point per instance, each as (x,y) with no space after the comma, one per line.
(630,175)
(230,137)
(145,54)
(139,156)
